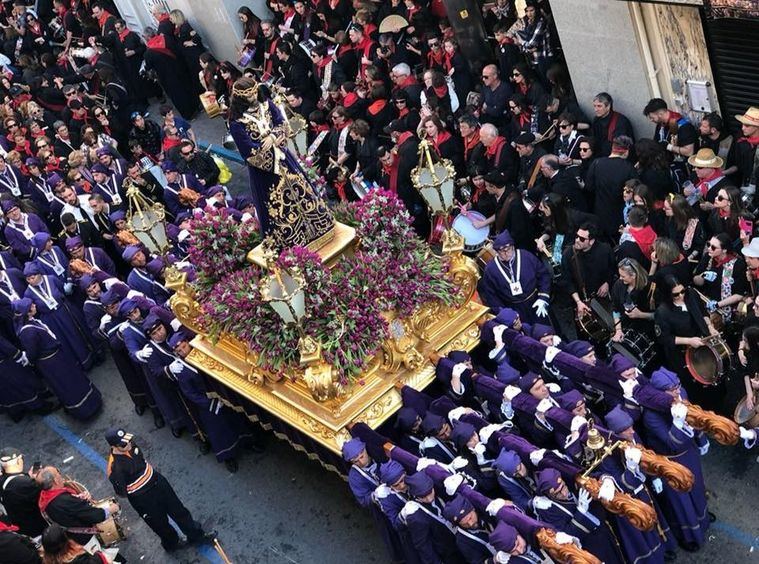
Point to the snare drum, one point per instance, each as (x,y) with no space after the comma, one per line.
(708,363)
(598,325)
(109,531)
(636,346)
(485,256)
(748,418)
(474,238)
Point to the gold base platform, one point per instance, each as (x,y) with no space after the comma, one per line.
(402,361)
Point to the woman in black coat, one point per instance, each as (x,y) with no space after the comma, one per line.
(653,169)
(172,74)
(190,45)
(683,226)
(458,69)
(444,144)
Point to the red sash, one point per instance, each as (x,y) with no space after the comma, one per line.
(645,238)
(47,496)
(158,43)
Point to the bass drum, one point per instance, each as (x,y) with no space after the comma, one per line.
(109,532)
(708,363)
(638,347)
(485,256)
(748,418)
(474,237)
(598,324)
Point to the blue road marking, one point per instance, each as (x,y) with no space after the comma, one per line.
(96,459)
(736,534)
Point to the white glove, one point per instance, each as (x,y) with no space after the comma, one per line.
(182,264)
(131,294)
(657,484)
(458,463)
(606,492)
(632,458)
(747,434)
(144,353)
(553,387)
(507,410)
(704,449)
(68,287)
(551,353)
(543,406)
(176,367)
(176,324)
(246,217)
(583,500)
(556,340)
(459,369)
(422,463)
(540,502)
(105,320)
(577,422)
(627,387)
(564,538)
(456,413)
(541,307)
(495,506)
(110,282)
(184,234)
(381,492)
(498,335)
(22,359)
(501,557)
(679,411)
(709,275)
(487,431)
(510,392)
(452,483)
(537,455)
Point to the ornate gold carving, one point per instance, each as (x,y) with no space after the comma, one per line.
(724,431)
(400,348)
(677,476)
(321,381)
(183,302)
(641,515)
(564,553)
(453,242)
(464,274)
(425,317)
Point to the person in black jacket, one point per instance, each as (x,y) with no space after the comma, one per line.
(561,181)
(16,548)
(608,124)
(19,494)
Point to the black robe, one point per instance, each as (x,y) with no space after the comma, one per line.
(174,78)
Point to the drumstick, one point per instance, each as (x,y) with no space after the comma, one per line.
(221,552)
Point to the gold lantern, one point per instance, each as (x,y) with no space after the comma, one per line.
(147,221)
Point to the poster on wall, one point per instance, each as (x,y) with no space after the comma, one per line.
(732,9)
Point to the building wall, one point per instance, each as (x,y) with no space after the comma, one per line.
(602,53)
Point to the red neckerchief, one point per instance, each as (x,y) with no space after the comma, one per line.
(523,87)
(164,18)
(40,133)
(126,31)
(350,99)
(319,128)
(447,64)
(403,137)
(495,148)
(46,496)
(411,11)
(728,256)
(403,112)
(376,107)
(436,60)
(674,117)
(333,4)
(345,124)
(753,141)
(408,81)
(724,213)
(289,12)
(524,118)
(703,186)
(321,65)
(392,173)
(269,65)
(340,187)
(441,138)
(26,147)
(344,49)
(104,15)
(369,29)
(363,47)
(645,238)
(158,43)
(440,91)
(470,143)
(506,41)
(169,143)
(7,527)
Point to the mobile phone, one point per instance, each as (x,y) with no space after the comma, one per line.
(36,466)
(746,225)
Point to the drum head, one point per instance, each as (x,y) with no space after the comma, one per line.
(472,236)
(742,413)
(703,365)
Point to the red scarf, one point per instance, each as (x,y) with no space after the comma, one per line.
(105,14)
(392,174)
(47,496)
(753,141)
(408,81)
(322,65)
(403,111)
(319,128)
(340,187)
(645,238)
(7,527)
(724,213)
(269,64)
(169,143)
(523,87)
(440,91)
(727,257)
(436,60)
(403,137)
(345,124)
(122,35)
(343,49)
(703,186)
(447,64)
(369,29)
(494,151)
(524,118)
(470,143)
(158,43)
(350,99)
(376,107)
(441,138)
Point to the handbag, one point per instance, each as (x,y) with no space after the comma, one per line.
(247,56)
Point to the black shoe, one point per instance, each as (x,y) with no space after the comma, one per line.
(48,408)
(180,544)
(670,555)
(690,547)
(712,517)
(158,421)
(17,417)
(232,465)
(205,538)
(204,447)
(139,409)
(177,432)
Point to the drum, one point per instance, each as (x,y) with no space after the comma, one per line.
(598,325)
(636,346)
(210,104)
(485,256)
(474,238)
(109,531)
(708,363)
(748,418)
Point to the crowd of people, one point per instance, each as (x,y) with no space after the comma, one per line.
(644,248)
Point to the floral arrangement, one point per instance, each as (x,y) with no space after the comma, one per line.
(391,271)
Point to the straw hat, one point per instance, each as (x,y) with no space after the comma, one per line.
(751,117)
(705,158)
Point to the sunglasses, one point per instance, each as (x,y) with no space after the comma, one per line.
(722,198)
(400,101)
(714,247)
(186,154)
(564,125)
(581,238)
(42,145)
(584,149)
(680,293)
(78,179)
(485,76)
(433,44)
(12,125)
(516,74)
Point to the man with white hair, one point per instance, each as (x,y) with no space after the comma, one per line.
(404,80)
(500,154)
